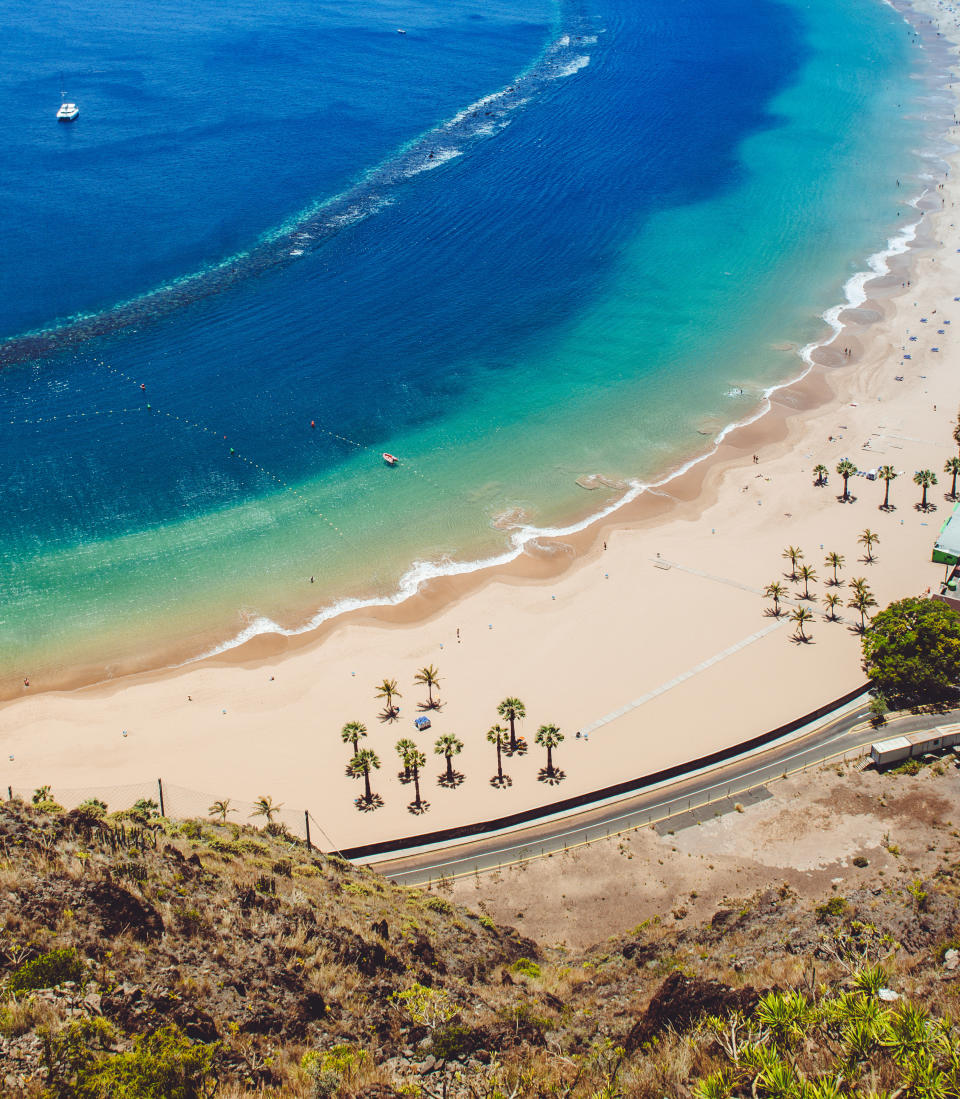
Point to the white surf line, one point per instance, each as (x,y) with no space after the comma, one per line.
(684,676)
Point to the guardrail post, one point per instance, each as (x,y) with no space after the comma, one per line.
(9,793)
(306,821)
(160,789)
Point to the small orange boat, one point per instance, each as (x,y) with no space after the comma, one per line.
(390,459)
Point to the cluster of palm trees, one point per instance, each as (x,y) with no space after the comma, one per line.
(389,689)
(365,761)
(924,478)
(861,598)
(262,807)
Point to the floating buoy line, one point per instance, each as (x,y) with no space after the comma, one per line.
(233,453)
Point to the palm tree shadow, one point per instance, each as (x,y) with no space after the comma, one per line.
(798,640)
(501,782)
(404,777)
(368,805)
(924,509)
(418,808)
(424,707)
(888,507)
(855,627)
(444,779)
(552,778)
(521,749)
(769,612)
(867,560)
(848,499)
(386,715)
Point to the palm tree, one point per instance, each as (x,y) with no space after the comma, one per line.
(835,561)
(404,747)
(220,809)
(549,737)
(807,573)
(776,592)
(388,690)
(821,471)
(862,601)
(952,466)
(498,736)
(429,678)
(925,478)
(352,732)
(831,602)
(264,807)
(858,584)
(414,760)
(795,555)
(888,474)
(846,469)
(801,615)
(956,431)
(513,710)
(449,745)
(363,763)
(868,539)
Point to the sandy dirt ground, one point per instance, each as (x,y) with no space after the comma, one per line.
(805,836)
(657,636)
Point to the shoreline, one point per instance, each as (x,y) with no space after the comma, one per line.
(604,643)
(421,586)
(531,552)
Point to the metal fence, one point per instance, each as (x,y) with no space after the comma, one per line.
(182,803)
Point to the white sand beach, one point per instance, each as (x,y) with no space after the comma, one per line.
(660,611)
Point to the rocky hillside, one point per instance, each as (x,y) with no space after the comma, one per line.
(147,957)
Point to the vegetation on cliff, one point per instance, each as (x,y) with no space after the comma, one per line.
(181,959)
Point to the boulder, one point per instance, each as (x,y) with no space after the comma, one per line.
(681,1000)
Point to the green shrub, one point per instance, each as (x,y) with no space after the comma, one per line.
(48,971)
(162,1065)
(225,847)
(526,967)
(94,807)
(836,906)
(48,806)
(283,868)
(252,847)
(454,1040)
(908,767)
(438,904)
(486,922)
(332,1068)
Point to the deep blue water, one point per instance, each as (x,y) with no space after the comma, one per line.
(430,305)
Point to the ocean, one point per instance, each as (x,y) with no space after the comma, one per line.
(519,244)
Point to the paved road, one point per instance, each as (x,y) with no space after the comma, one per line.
(848,735)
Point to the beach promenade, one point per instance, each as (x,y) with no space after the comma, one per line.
(655,639)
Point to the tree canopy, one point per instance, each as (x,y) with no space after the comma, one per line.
(911,651)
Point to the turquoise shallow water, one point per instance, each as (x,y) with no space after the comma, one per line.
(641,208)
